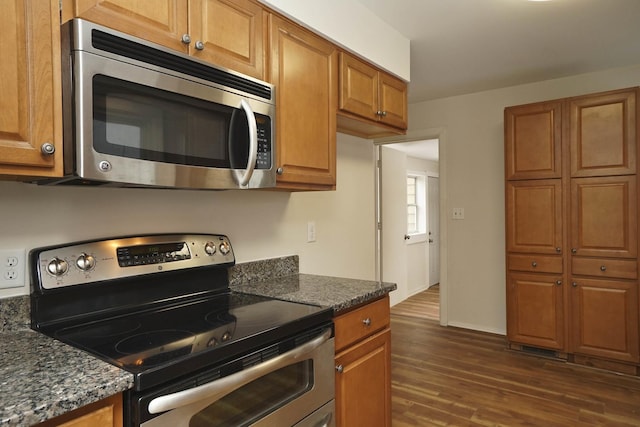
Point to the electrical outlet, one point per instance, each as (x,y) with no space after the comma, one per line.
(458,213)
(12,268)
(311,231)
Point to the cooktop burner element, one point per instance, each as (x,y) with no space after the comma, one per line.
(162,319)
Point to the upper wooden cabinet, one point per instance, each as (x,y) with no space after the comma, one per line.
(603,134)
(228,33)
(304,69)
(533,141)
(372,103)
(30,105)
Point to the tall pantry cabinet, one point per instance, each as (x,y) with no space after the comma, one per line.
(571,228)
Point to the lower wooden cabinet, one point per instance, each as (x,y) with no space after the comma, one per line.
(363,366)
(104,413)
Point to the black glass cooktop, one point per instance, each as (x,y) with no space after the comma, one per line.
(195,332)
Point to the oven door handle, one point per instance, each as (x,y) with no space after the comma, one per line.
(253,143)
(219,388)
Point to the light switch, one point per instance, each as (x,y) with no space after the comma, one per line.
(458,213)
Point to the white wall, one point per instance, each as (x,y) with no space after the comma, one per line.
(354,27)
(260,224)
(472,177)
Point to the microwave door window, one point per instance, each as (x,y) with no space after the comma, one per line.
(141,122)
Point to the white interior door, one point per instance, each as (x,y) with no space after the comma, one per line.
(394,221)
(433,194)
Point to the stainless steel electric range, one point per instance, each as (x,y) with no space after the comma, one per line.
(160,307)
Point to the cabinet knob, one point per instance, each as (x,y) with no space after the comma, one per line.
(366,322)
(280,171)
(534,264)
(558,249)
(381,113)
(603,268)
(186,38)
(199,45)
(574,284)
(558,282)
(47,148)
(574,251)
(339,369)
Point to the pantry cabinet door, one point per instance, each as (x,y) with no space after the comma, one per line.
(604,217)
(533,141)
(534,216)
(603,134)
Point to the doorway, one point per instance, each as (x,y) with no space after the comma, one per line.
(397,251)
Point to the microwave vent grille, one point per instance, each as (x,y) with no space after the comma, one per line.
(140,52)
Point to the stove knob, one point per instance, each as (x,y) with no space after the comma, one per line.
(225,248)
(86,262)
(57,266)
(210,248)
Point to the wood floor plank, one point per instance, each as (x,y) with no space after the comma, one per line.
(444,376)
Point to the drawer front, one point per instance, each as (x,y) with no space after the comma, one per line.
(535,263)
(603,267)
(361,322)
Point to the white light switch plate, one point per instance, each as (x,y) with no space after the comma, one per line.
(458,213)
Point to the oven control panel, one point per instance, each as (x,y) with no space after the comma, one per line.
(99,260)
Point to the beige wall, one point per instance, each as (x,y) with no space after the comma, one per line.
(471,177)
(260,224)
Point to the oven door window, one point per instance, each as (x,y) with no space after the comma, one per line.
(142,122)
(258,398)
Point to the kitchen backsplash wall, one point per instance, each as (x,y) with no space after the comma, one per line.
(260,224)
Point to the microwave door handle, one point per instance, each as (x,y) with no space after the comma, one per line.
(253,143)
(219,388)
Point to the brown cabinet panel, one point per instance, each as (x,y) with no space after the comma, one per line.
(104,413)
(357,324)
(605,318)
(535,263)
(30,105)
(603,134)
(160,21)
(363,383)
(533,141)
(304,69)
(535,310)
(358,87)
(534,216)
(604,217)
(603,267)
(232,33)
(393,101)
(372,102)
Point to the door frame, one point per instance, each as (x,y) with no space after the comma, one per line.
(411,136)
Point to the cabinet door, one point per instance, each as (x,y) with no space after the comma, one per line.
(605,318)
(393,101)
(604,217)
(358,87)
(231,32)
(534,216)
(363,383)
(533,141)
(30,105)
(104,413)
(304,69)
(535,310)
(603,134)
(159,21)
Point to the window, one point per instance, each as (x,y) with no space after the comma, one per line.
(416,204)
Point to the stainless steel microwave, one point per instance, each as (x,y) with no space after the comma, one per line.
(138,114)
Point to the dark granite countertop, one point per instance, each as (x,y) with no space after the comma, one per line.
(336,292)
(41,378)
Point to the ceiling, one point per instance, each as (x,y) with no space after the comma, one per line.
(466,46)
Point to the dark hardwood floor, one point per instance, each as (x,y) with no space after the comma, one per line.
(445,376)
